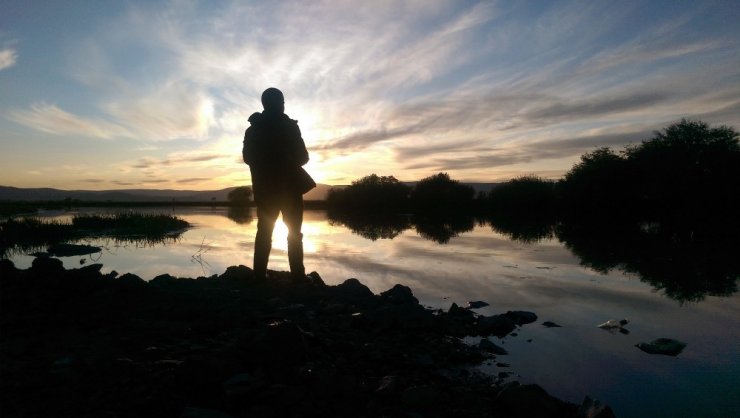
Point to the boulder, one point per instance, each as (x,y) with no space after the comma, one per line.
(46,265)
(521,317)
(498,325)
(399,295)
(353,289)
(665,346)
(239,272)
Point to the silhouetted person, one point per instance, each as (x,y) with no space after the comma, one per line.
(275,152)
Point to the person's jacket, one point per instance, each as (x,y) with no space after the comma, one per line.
(275,151)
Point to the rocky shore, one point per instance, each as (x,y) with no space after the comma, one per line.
(79,343)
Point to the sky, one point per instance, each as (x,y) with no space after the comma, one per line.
(156,94)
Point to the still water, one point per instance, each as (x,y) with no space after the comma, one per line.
(478,263)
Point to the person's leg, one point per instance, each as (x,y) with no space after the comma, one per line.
(266,216)
(293,218)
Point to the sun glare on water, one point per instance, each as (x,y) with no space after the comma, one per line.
(280,236)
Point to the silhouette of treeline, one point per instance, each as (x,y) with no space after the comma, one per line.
(687,171)
(375,194)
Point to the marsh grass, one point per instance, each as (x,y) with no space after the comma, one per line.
(30,234)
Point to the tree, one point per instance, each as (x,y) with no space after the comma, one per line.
(439,193)
(598,184)
(689,169)
(240,195)
(370,194)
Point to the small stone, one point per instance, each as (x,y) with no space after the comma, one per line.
(550,324)
(477,304)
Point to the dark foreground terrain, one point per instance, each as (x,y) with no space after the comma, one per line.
(85,344)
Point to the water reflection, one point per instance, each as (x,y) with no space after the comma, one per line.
(686,264)
(240,214)
(372,228)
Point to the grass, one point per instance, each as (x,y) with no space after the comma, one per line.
(30,233)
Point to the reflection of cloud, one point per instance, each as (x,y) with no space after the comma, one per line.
(8,58)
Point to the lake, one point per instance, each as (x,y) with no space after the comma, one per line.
(470,260)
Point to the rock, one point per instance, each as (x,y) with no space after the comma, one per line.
(239,272)
(550,324)
(666,346)
(69,250)
(315,279)
(592,408)
(131,281)
(163,280)
(521,317)
(488,346)
(45,265)
(457,312)
(614,325)
(353,289)
(498,325)
(530,401)
(477,304)
(399,295)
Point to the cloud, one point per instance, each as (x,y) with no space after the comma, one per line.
(51,119)
(8,58)
(170,112)
(193,180)
(147,162)
(534,151)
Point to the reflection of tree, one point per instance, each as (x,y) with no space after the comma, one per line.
(687,264)
(528,229)
(372,227)
(239,214)
(441,228)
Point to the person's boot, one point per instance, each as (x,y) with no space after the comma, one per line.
(262,249)
(295,257)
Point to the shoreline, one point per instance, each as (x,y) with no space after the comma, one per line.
(78,342)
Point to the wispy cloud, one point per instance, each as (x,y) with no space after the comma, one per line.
(145,163)
(400,87)
(51,119)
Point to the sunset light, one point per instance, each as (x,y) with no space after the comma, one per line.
(157,94)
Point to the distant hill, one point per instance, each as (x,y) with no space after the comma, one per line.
(133,195)
(159,195)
